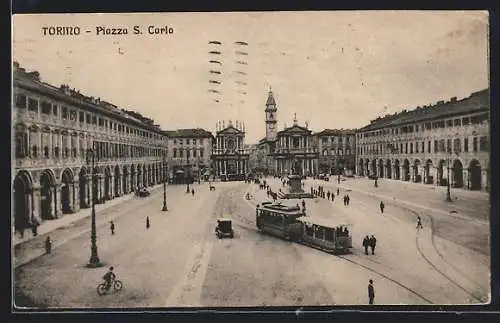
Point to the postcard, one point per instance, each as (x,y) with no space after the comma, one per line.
(250,159)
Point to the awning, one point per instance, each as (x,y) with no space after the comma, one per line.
(179,171)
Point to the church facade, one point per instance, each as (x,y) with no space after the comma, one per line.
(295,152)
(290,151)
(229,158)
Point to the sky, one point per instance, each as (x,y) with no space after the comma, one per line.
(333,69)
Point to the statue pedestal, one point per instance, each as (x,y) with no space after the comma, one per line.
(294,189)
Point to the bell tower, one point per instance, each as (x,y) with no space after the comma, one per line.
(271,118)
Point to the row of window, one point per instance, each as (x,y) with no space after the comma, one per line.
(73,114)
(339,151)
(438,146)
(326,140)
(189,141)
(25,148)
(446,123)
(188,153)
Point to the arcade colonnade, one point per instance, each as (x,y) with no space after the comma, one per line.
(46,194)
(470,174)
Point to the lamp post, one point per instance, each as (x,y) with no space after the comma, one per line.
(94,257)
(187,171)
(448,196)
(448,193)
(164,183)
(199,170)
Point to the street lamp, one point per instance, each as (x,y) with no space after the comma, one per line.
(164,183)
(94,261)
(199,170)
(187,171)
(448,196)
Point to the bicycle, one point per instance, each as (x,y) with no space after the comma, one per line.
(103,287)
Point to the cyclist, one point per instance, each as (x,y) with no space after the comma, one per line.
(109,277)
(419,222)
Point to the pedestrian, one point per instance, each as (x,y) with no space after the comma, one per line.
(338,191)
(112,227)
(371,292)
(192,191)
(328,195)
(333,197)
(303,204)
(348,199)
(382,206)
(366,243)
(147,222)
(373,243)
(345,200)
(48,245)
(34,226)
(34,229)
(419,222)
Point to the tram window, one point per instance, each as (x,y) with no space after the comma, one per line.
(320,232)
(329,234)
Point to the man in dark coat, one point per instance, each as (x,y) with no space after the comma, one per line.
(382,206)
(366,244)
(338,191)
(371,292)
(373,243)
(112,227)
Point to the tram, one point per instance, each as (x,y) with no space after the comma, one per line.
(278,219)
(290,223)
(326,234)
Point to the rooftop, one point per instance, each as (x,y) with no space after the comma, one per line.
(32,81)
(335,132)
(477,101)
(189,133)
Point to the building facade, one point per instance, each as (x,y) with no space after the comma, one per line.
(56,131)
(189,154)
(337,151)
(267,145)
(295,152)
(229,157)
(430,144)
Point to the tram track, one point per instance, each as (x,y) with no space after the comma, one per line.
(398,283)
(434,266)
(443,258)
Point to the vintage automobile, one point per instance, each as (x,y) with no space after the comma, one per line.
(224,228)
(142,192)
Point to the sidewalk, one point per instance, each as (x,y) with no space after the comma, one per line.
(66,228)
(460,192)
(67,219)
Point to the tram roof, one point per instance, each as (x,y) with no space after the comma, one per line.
(329,223)
(281,207)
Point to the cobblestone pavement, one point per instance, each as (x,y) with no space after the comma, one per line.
(180,262)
